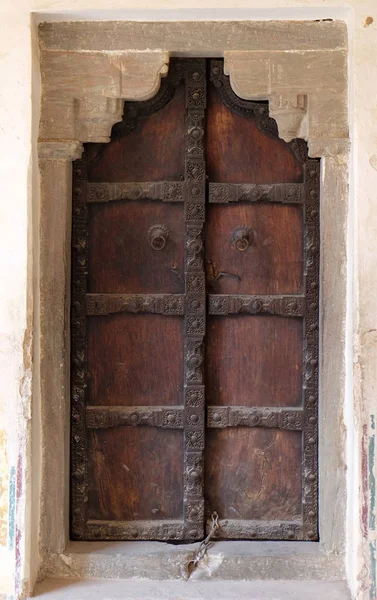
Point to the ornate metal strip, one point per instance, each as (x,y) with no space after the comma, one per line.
(285,193)
(165,191)
(311,351)
(135,530)
(241,416)
(285,306)
(161,304)
(195,300)
(79,492)
(102,417)
(234,529)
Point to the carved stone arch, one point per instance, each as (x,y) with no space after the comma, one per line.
(84,94)
(306,93)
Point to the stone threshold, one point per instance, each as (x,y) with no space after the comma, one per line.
(68,589)
(226,561)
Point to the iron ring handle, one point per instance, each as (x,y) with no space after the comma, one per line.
(158,235)
(242,237)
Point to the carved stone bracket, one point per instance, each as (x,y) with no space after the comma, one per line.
(84,92)
(307,92)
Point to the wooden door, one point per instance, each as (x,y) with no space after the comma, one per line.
(195,321)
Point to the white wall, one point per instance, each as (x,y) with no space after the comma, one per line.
(18,122)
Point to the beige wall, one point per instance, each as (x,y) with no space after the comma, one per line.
(19,201)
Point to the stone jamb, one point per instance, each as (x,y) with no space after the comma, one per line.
(83,92)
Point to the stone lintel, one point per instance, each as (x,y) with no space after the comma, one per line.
(194,38)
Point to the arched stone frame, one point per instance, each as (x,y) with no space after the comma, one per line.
(301,68)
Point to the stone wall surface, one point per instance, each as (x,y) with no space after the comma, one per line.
(20,416)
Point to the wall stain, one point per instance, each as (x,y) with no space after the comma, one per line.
(4,486)
(368,21)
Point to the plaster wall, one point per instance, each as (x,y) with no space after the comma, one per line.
(19,219)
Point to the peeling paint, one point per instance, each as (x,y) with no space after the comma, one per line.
(373,571)
(12,508)
(3,488)
(364,481)
(372,478)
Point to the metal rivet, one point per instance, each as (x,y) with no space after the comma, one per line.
(171,418)
(311,398)
(313,362)
(196,76)
(215,70)
(290,534)
(311,514)
(194,397)
(311,534)
(194,475)
(314,213)
(262,110)
(312,420)
(216,417)
(312,173)
(134,533)
(291,418)
(311,441)
(313,326)
(134,418)
(195,304)
(194,418)
(313,306)
(196,95)
(312,193)
(311,477)
(195,171)
(195,191)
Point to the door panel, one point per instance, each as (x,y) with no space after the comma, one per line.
(273,261)
(135,474)
(194,319)
(253,474)
(237,150)
(137,151)
(127,360)
(119,242)
(265,369)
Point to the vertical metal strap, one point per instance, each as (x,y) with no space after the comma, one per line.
(194,400)
(79,493)
(311,352)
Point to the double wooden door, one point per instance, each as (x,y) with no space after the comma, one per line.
(195,321)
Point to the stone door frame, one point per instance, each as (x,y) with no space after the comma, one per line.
(88,69)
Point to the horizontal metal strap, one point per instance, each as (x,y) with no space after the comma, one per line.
(162,304)
(241,416)
(286,306)
(135,530)
(165,191)
(261,530)
(285,193)
(102,417)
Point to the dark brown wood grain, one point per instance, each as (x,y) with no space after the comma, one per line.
(151,150)
(273,262)
(135,473)
(253,473)
(121,257)
(254,361)
(238,152)
(131,363)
